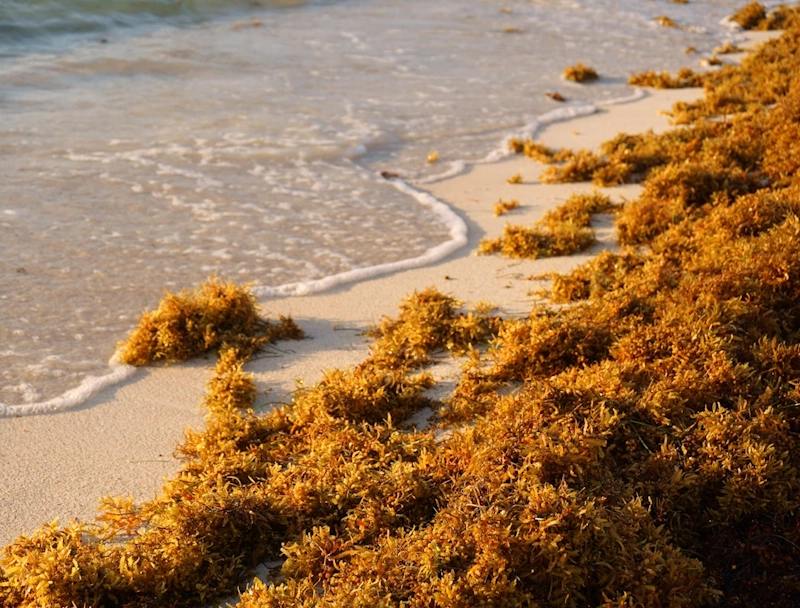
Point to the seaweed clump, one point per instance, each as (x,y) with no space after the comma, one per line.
(639,447)
(727,48)
(686,78)
(750,16)
(580,73)
(538,151)
(562,231)
(217,315)
(625,158)
(502,207)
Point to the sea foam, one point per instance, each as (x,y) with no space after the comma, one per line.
(154,156)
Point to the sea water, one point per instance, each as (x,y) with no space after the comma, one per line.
(148,144)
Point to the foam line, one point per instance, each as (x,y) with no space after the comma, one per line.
(637,94)
(458,239)
(530,129)
(457,167)
(90,386)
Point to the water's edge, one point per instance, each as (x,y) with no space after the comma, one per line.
(412,189)
(457,229)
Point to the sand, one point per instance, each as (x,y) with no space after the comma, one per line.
(122,440)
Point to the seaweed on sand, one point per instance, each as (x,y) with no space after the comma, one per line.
(628,157)
(562,231)
(750,15)
(727,48)
(639,447)
(217,315)
(685,78)
(538,151)
(502,207)
(754,16)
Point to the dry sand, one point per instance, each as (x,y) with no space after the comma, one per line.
(122,440)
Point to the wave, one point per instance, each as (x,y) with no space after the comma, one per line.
(458,238)
(24,21)
(457,229)
(75,397)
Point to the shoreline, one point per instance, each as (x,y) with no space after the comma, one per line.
(121,440)
(418,190)
(627,436)
(114,373)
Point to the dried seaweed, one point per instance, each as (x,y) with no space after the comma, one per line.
(639,447)
(580,73)
(627,158)
(685,78)
(750,16)
(538,151)
(502,207)
(581,166)
(727,48)
(185,325)
(562,231)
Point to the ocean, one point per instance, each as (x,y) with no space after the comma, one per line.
(148,144)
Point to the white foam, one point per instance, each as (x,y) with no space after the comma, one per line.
(90,386)
(730,23)
(458,239)
(456,167)
(530,129)
(635,96)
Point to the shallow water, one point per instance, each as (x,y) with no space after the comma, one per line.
(148,144)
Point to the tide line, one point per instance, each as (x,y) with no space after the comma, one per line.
(75,397)
(458,239)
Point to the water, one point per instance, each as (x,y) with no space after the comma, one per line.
(147,144)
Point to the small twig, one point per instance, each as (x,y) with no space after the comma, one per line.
(778,536)
(269,403)
(641,439)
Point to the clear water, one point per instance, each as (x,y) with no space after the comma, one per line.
(146,144)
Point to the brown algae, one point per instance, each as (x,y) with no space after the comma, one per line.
(502,207)
(562,231)
(218,315)
(727,48)
(639,447)
(580,73)
(685,78)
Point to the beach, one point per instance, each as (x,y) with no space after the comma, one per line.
(122,440)
(147,152)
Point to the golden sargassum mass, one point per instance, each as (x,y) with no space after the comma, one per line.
(637,447)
